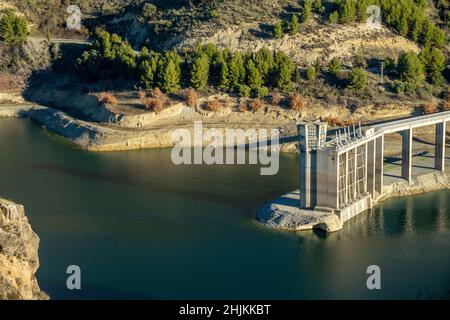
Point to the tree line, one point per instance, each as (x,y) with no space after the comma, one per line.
(248,74)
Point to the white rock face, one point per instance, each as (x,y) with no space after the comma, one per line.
(19,259)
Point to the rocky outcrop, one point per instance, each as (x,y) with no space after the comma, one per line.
(19,259)
(421,184)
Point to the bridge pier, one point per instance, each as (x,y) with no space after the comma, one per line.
(439,155)
(371,161)
(407,154)
(379,162)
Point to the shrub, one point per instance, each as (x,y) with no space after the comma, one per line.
(257,105)
(243,106)
(244,90)
(306,12)
(157,93)
(106,98)
(154,104)
(142,94)
(429,108)
(276,99)
(334,17)
(191,98)
(446,105)
(214,106)
(297,103)
(335,67)
(261,92)
(336,122)
(311,73)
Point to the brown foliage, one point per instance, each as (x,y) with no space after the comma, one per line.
(9,82)
(142,94)
(336,122)
(257,105)
(297,103)
(106,98)
(243,106)
(154,104)
(214,106)
(191,98)
(429,108)
(276,99)
(157,93)
(446,105)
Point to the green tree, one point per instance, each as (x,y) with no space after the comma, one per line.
(306,12)
(294,24)
(284,68)
(311,73)
(358,79)
(254,79)
(333,17)
(224,78)
(237,72)
(200,72)
(278,31)
(264,62)
(169,76)
(410,68)
(436,66)
(13,28)
(335,67)
(347,11)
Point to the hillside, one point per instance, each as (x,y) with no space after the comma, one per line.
(334,57)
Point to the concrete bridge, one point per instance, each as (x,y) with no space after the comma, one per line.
(344,175)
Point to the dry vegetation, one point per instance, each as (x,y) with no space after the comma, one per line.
(429,108)
(191,98)
(298,102)
(214,106)
(106,98)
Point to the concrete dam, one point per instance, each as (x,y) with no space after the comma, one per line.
(343,176)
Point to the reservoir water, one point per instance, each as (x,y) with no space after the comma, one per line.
(140,227)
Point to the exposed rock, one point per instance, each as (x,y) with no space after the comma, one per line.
(330,223)
(19,259)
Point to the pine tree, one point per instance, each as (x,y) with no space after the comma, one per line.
(254,79)
(358,79)
(200,72)
(237,72)
(410,68)
(170,77)
(224,80)
(278,31)
(311,73)
(335,67)
(294,24)
(284,69)
(435,66)
(347,11)
(13,28)
(307,8)
(264,62)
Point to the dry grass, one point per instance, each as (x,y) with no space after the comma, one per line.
(191,98)
(214,106)
(429,108)
(297,102)
(106,98)
(257,105)
(9,82)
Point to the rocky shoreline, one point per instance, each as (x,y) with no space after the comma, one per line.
(19,259)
